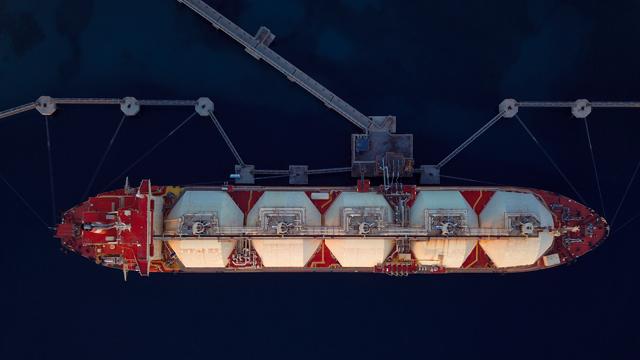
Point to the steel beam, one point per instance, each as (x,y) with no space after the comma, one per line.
(17,110)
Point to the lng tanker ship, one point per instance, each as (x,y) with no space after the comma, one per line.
(392,229)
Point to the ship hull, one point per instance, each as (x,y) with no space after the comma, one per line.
(397,230)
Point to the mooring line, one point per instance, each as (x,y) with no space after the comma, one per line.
(226,139)
(470,180)
(626,193)
(550,159)
(595,168)
(222,182)
(24,202)
(104,157)
(271,177)
(143,156)
(51,184)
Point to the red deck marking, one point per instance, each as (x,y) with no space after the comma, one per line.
(591,228)
(144,187)
(323,205)
(477,199)
(104,204)
(256,264)
(413,193)
(64,230)
(364,185)
(245,199)
(108,209)
(478,259)
(323,258)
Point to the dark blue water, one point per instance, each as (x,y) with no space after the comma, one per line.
(441,66)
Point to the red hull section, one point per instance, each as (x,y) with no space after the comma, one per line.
(122,229)
(123,237)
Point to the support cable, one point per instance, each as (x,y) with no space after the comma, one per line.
(277,174)
(226,139)
(24,202)
(469,180)
(595,168)
(270,172)
(143,156)
(471,139)
(546,154)
(51,184)
(271,177)
(309,172)
(104,156)
(626,193)
(329,171)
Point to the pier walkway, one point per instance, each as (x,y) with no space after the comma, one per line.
(258,47)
